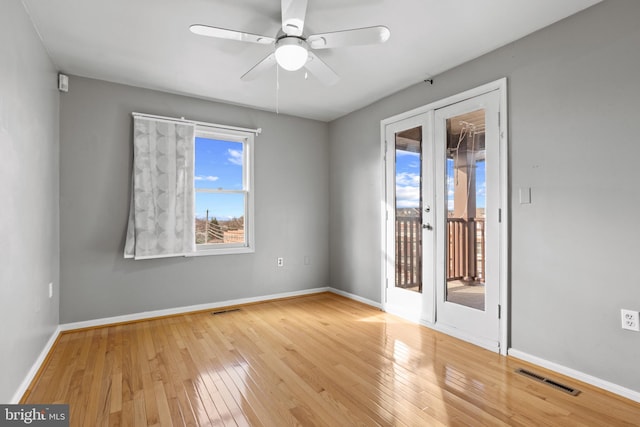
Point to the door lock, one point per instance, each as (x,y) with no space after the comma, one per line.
(427,226)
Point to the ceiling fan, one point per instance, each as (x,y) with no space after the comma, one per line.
(293,49)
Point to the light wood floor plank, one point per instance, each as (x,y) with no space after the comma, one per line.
(319,360)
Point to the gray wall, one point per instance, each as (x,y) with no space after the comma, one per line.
(29,197)
(573,105)
(291,199)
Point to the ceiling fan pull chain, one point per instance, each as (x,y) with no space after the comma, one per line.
(277,89)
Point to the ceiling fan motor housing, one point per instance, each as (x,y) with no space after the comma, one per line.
(291,52)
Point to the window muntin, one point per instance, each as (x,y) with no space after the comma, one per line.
(223,193)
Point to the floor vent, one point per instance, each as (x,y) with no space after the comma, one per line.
(562,387)
(229,310)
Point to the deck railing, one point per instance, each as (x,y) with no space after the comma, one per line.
(210,233)
(408,252)
(465,250)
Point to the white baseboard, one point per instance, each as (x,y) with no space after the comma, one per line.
(210,306)
(580,376)
(200,307)
(35,367)
(147,315)
(355,297)
(167,312)
(185,309)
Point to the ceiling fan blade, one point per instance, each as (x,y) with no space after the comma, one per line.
(359,36)
(221,33)
(293,15)
(321,70)
(260,67)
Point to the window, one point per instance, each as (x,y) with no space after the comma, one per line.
(223,182)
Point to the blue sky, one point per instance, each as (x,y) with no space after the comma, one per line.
(218,166)
(408,181)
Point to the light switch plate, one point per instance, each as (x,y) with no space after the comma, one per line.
(525,195)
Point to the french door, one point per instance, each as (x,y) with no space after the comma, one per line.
(409,197)
(468,195)
(445,183)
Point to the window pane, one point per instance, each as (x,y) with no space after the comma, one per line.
(220,218)
(218,164)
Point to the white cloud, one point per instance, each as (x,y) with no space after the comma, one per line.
(203,215)
(482,189)
(206,178)
(408,178)
(401,153)
(235,157)
(407,190)
(407,196)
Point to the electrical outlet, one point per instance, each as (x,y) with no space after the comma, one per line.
(280,262)
(630,320)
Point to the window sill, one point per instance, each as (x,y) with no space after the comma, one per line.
(222,251)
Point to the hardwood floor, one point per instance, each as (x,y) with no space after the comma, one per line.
(320,360)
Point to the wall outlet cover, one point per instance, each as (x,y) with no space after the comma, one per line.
(630,320)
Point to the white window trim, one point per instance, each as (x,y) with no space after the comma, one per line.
(246,137)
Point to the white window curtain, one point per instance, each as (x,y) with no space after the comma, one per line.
(161,215)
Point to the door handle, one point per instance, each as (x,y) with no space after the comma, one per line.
(427,226)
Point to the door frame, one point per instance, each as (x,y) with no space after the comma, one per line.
(500,86)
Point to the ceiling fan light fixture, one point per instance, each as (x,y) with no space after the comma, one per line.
(291,53)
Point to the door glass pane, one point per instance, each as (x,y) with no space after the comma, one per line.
(466,202)
(408,200)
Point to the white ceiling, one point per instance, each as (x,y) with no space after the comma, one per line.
(147,43)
